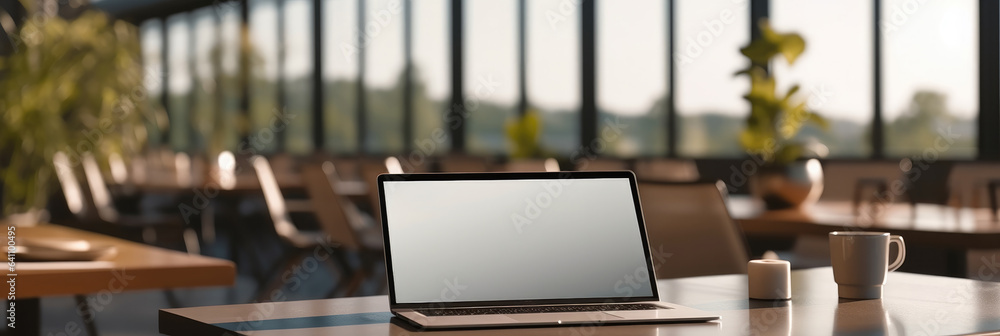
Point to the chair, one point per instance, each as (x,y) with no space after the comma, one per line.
(414,164)
(668,170)
(151,225)
(370,171)
(298,245)
(344,224)
(100,212)
(852,181)
(70,185)
(601,165)
(973,185)
(689,228)
(532,165)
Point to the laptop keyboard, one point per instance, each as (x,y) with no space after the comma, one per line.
(537,309)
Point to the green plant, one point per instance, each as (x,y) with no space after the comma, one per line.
(774,119)
(523,132)
(73,86)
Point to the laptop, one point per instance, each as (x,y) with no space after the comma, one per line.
(479,250)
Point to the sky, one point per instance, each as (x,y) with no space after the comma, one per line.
(930,45)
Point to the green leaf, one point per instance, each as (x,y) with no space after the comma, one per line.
(818,120)
(788,153)
(523,133)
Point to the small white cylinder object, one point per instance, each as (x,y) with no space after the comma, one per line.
(769,279)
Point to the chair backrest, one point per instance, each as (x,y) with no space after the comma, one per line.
(99,191)
(70,185)
(532,165)
(337,215)
(393,166)
(275,201)
(119,170)
(689,224)
(601,165)
(462,164)
(669,170)
(348,169)
(411,164)
(370,171)
(182,169)
(842,179)
(968,183)
(225,170)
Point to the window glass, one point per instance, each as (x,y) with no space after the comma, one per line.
(203,107)
(838,37)
(151,38)
(384,65)
(431,68)
(340,75)
(179,82)
(632,77)
(930,77)
(553,72)
(490,74)
(298,71)
(226,58)
(710,107)
(264,76)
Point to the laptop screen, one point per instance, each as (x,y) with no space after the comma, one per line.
(467,240)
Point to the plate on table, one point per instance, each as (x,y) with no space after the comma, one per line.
(61,250)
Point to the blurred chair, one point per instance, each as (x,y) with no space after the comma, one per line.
(393,166)
(974,185)
(414,164)
(601,164)
(370,170)
(183,170)
(70,185)
(690,231)
(860,181)
(152,226)
(669,170)
(462,164)
(348,169)
(346,227)
(298,245)
(532,165)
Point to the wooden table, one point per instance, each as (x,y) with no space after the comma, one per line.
(134,267)
(913,304)
(931,225)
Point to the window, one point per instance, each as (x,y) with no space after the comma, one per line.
(151,38)
(297,69)
(930,77)
(553,72)
(383,43)
(264,76)
(340,76)
(431,68)
(632,76)
(490,74)
(203,107)
(229,83)
(838,38)
(179,82)
(709,100)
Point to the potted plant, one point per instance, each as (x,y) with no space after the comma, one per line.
(784,179)
(71,86)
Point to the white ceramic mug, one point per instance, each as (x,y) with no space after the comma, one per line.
(861,260)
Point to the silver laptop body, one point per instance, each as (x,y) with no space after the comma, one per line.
(517,249)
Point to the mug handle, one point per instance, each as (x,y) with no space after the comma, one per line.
(901,255)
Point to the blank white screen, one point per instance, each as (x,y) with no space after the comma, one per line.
(485,241)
